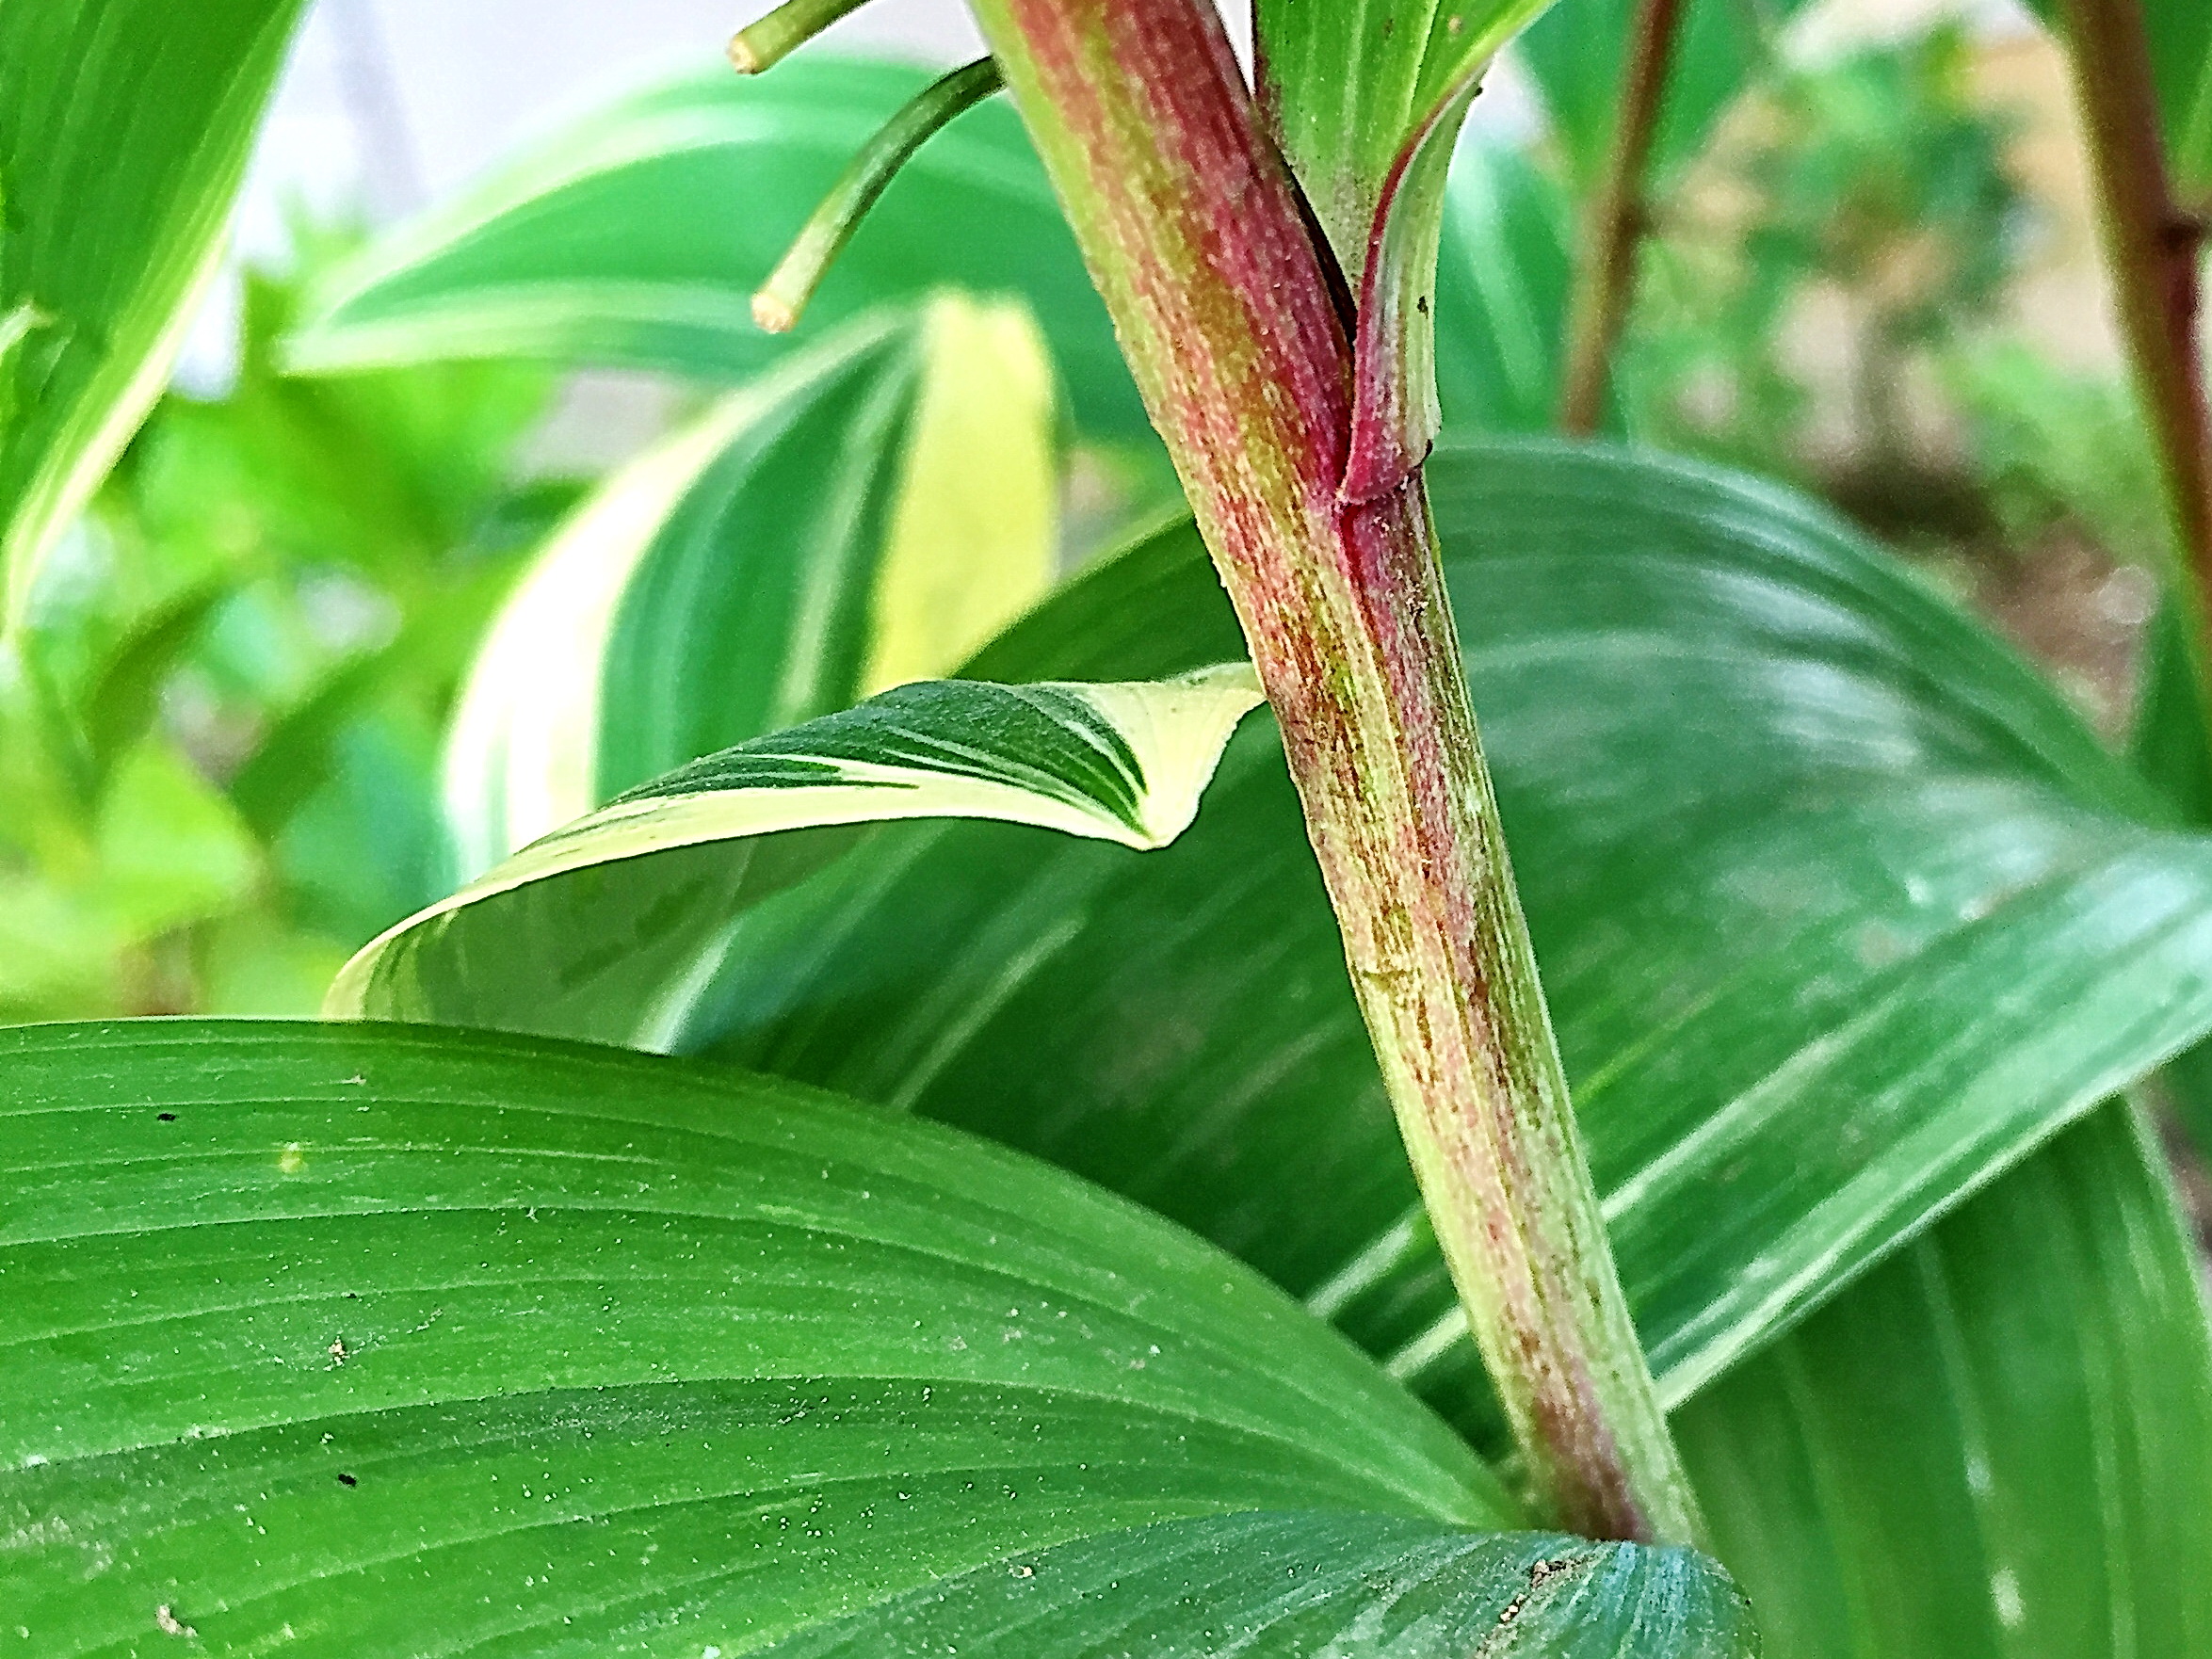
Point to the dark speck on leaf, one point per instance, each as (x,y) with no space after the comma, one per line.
(167,1116)
(347,1480)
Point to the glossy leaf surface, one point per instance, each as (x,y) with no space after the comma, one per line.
(1368,102)
(576,934)
(374,1342)
(123,131)
(1735,784)
(1351,1587)
(1999,1442)
(639,236)
(1348,87)
(867,514)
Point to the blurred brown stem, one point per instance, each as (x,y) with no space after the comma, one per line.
(2152,249)
(1605,276)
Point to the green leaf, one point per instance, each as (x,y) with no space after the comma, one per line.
(1359,1587)
(124,126)
(1840,907)
(1999,1442)
(867,514)
(2181,62)
(1578,55)
(371,1342)
(639,236)
(1350,90)
(577,933)
(2168,744)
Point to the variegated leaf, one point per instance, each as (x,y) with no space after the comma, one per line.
(575,934)
(869,513)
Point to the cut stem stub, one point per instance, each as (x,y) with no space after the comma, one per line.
(764,44)
(784,296)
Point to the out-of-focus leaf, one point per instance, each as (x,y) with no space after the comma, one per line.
(1506,264)
(2168,744)
(869,513)
(575,933)
(639,235)
(371,1341)
(1576,53)
(124,126)
(368,844)
(2181,59)
(163,851)
(170,849)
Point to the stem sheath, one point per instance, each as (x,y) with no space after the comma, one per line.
(1605,274)
(1196,237)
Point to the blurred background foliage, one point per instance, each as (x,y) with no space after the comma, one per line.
(220,739)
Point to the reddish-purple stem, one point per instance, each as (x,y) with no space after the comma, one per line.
(1199,244)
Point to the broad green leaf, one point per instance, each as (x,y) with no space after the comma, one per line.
(369,1341)
(639,236)
(124,126)
(868,513)
(1350,1586)
(1999,1442)
(1814,867)
(576,932)
(1819,922)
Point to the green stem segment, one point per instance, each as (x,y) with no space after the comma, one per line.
(763,45)
(2152,250)
(1605,277)
(1196,237)
(792,283)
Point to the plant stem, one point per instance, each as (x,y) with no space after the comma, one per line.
(1196,237)
(792,283)
(2152,250)
(760,46)
(1605,274)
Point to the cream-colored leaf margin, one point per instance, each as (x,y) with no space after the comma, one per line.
(1175,729)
